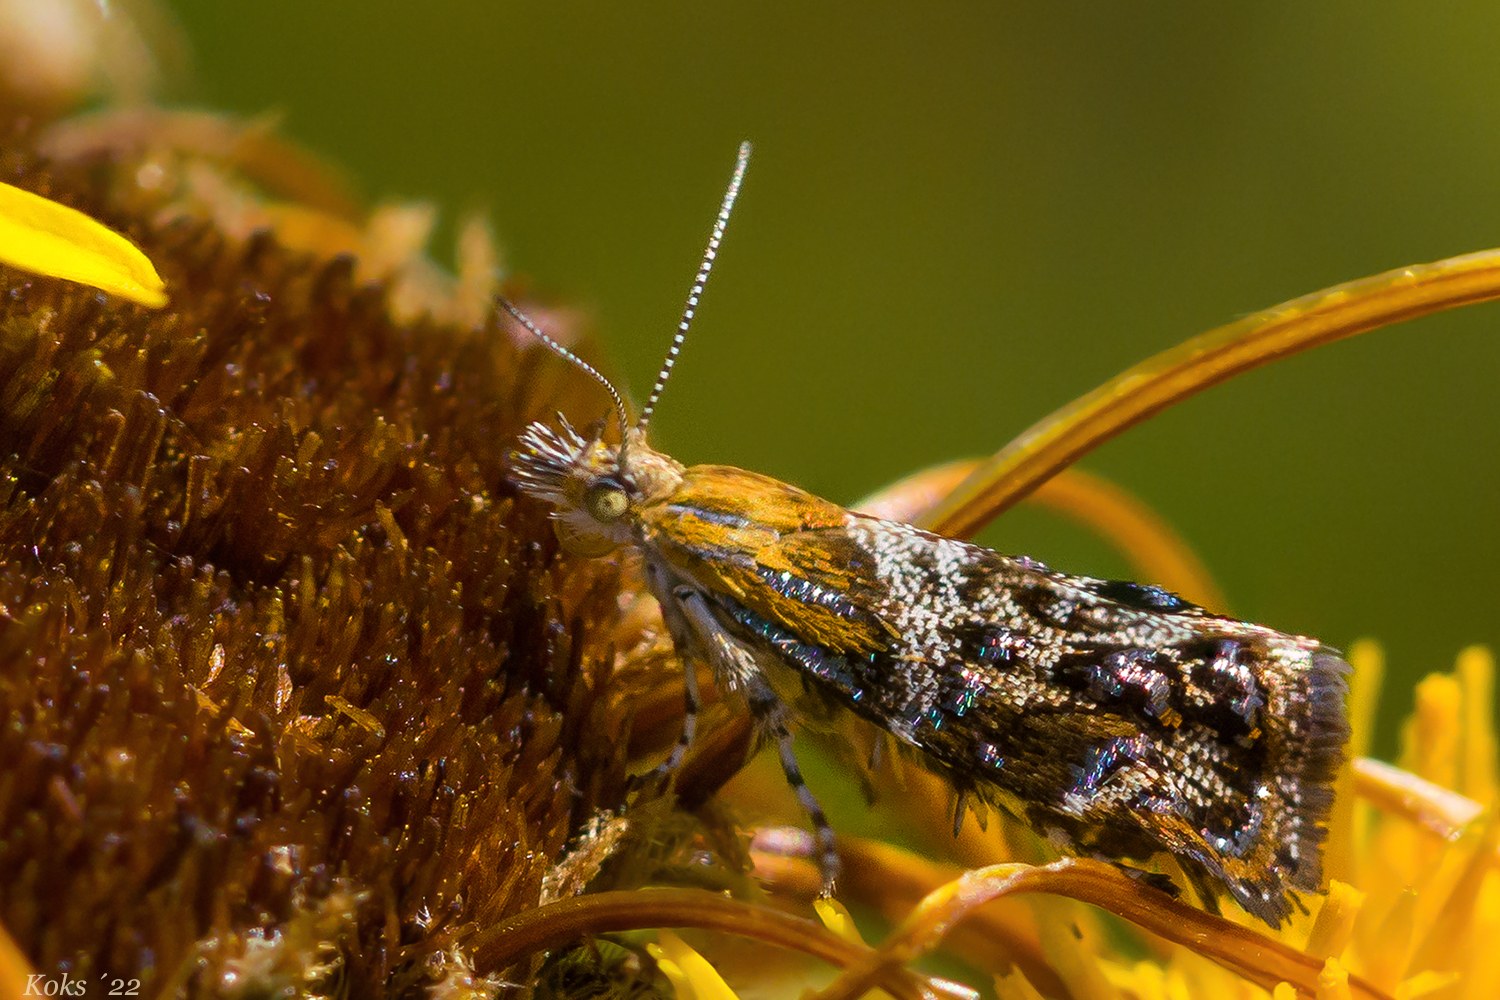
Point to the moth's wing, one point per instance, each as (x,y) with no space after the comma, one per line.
(1115,715)
(1118,719)
(1126,722)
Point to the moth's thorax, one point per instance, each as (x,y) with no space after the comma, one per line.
(561,467)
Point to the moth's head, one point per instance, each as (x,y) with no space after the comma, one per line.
(598,490)
(595,503)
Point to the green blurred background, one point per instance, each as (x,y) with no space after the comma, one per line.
(961,216)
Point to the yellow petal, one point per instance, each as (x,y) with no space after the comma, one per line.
(1334,926)
(39,235)
(689,972)
(837,919)
(1333,981)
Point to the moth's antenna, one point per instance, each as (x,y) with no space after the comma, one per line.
(570,357)
(697,290)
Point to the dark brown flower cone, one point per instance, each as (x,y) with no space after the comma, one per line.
(281,669)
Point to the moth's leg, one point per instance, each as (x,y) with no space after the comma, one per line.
(1160,881)
(734,666)
(697,635)
(770,717)
(960,806)
(691,705)
(672,607)
(968,801)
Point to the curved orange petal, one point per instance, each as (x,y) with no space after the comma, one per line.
(1206,360)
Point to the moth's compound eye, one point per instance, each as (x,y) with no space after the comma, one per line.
(606,501)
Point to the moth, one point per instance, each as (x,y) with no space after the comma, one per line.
(1115,718)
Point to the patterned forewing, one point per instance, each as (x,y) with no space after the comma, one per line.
(1124,720)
